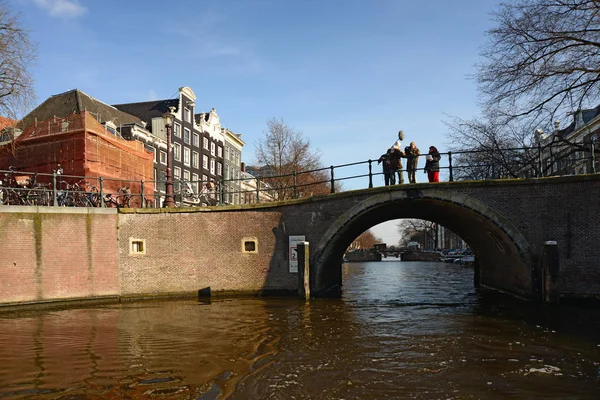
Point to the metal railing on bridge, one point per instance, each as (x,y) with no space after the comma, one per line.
(57,189)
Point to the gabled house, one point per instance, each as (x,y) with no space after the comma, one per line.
(198,140)
(568,151)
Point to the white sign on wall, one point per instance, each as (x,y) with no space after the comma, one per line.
(293,252)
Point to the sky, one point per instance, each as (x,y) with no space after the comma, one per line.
(347,74)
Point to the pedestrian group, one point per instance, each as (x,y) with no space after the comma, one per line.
(392,162)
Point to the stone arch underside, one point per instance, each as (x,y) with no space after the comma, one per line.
(503,253)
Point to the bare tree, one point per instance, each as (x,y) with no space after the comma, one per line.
(289,161)
(17,53)
(411,229)
(364,241)
(543,58)
(491,149)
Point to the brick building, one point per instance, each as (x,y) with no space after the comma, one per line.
(82,135)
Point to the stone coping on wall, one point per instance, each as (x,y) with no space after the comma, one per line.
(56,210)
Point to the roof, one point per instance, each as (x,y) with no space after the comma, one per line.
(588,115)
(148,110)
(74,102)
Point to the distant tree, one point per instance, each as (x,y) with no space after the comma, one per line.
(285,157)
(543,58)
(365,240)
(17,53)
(418,230)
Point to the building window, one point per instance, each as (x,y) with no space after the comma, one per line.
(220,151)
(204,161)
(186,136)
(196,140)
(219,169)
(163,157)
(176,173)
(186,156)
(206,143)
(250,245)
(195,159)
(186,175)
(177,130)
(195,182)
(204,178)
(187,115)
(212,149)
(212,166)
(137,246)
(177,151)
(227,152)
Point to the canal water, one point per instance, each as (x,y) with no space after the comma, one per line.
(402,330)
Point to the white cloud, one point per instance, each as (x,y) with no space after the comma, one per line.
(62,8)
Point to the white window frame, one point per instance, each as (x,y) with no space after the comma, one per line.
(220,151)
(212,148)
(177,151)
(186,175)
(187,115)
(195,159)
(195,182)
(196,140)
(212,166)
(205,142)
(176,173)
(187,136)
(205,161)
(177,129)
(163,157)
(219,169)
(186,156)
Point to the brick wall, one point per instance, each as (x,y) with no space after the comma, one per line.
(188,251)
(56,253)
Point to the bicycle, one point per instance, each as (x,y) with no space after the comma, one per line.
(120,200)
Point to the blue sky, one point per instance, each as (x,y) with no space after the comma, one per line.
(348,74)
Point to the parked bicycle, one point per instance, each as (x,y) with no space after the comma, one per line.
(121,199)
(22,189)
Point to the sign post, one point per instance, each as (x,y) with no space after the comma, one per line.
(293,252)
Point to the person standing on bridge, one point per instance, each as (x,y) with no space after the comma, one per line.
(387,172)
(412,158)
(432,165)
(396,165)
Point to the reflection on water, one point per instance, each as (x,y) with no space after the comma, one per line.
(401,330)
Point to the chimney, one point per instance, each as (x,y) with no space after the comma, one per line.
(243,166)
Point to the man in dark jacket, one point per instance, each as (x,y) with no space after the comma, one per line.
(387,172)
(412,158)
(396,165)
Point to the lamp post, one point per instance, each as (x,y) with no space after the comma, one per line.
(169,196)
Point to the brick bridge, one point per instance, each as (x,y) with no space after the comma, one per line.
(237,249)
(505,222)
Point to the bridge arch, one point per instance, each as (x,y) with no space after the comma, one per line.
(504,255)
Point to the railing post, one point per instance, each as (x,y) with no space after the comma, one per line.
(54,194)
(593,158)
(295,195)
(222,191)
(143,193)
(257,189)
(332,180)
(540,163)
(370,174)
(451,178)
(101,184)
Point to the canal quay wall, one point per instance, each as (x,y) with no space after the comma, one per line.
(54,254)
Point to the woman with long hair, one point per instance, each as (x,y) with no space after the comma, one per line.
(432,164)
